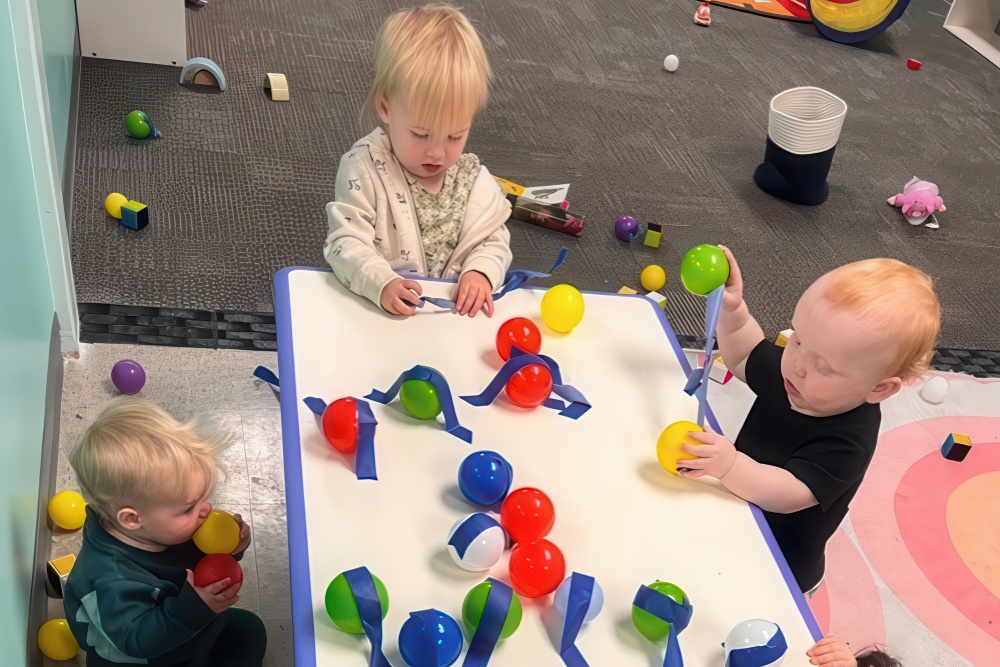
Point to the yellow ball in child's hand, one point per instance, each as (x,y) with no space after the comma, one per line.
(67,510)
(56,640)
(668,446)
(219,534)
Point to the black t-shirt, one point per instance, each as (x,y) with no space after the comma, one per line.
(828,454)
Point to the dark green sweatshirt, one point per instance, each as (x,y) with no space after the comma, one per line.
(130,605)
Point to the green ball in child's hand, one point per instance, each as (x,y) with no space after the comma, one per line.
(704,268)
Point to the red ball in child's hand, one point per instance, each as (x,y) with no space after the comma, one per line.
(536,569)
(527,515)
(216,567)
(340,425)
(530,386)
(520,332)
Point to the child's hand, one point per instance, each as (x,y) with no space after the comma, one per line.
(716,455)
(733,295)
(401,297)
(219,596)
(832,652)
(244,536)
(474,291)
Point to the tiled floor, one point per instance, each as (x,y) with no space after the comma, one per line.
(211,385)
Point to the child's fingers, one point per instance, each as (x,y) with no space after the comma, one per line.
(219,586)
(698,451)
(489,304)
(463,297)
(414,286)
(402,307)
(477,303)
(704,438)
(688,473)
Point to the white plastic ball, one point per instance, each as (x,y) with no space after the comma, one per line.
(485,550)
(596,600)
(755,632)
(934,390)
(670,63)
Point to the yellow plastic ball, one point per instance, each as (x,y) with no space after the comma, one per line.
(668,446)
(56,640)
(113,204)
(562,308)
(219,534)
(653,277)
(66,509)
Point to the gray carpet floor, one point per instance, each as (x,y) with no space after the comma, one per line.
(237,184)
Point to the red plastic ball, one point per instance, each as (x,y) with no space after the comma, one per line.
(527,515)
(530,386)
(340,425)
(216,567)
(519,331)
(536,569)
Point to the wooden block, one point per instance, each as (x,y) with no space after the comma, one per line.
(782,339)
(58,570)
(956,447)
(278,85)
(135,215)
(652,239)
(659,299)
(627,290)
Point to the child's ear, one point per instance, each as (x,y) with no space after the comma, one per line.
(129,518)
(382,106)
(884,389)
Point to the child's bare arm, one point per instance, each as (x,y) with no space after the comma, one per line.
(770,488)
(738,332)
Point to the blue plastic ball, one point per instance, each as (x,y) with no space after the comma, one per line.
(485,478)
(430,638)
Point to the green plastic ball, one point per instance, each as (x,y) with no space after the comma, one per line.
(420,399)
(343,608)
(475,602)
(649,626)
(704,268)
(137,125)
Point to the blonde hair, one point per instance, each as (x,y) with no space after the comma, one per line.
(134,452)
(895,297)
(429,59)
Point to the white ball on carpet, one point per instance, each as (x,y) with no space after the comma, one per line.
(670,63)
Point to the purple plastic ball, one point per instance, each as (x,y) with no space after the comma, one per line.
(626,228)
(128,376)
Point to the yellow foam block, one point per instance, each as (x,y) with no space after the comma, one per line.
(627,290)
(782,339)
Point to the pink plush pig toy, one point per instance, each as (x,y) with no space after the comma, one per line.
(919,201)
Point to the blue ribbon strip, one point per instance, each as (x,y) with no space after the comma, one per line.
(364,455)
(469,530)
(577,403)
(581,590)
(268,376)
(511,282)
(697,383)
(488,633)
(666,609)
(370,609)
(754,656)
(427,374)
